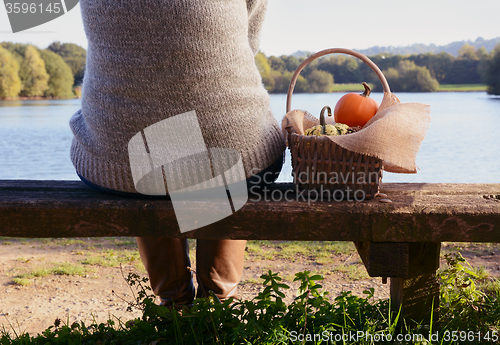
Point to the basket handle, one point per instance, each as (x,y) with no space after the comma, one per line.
(313,57)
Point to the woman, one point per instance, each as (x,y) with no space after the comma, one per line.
(149,60)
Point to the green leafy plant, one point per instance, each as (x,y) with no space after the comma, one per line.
(310,318)
(462,303)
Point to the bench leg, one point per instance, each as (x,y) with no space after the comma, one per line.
(412,271)
(418,293)
(417,297)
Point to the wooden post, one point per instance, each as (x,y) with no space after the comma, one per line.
(412,271)
(417,297)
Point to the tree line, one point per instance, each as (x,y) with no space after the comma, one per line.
(405,73)
(28,71)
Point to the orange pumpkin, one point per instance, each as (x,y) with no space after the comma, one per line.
(355,109)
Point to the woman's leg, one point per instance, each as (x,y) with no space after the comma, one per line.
(166,261)
(219,266)
(219,263)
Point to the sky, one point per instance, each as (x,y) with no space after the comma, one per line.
(313,25)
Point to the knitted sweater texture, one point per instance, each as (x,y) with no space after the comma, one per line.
(149,60)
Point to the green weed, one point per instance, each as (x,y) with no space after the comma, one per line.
(249,281)
(324,260)
(462,303)
(111,258)
(57,269)
(67,242)
(297,250)
(352,271)
(36,273)
(266,319)
(22,281)
(138,265)
(68,269)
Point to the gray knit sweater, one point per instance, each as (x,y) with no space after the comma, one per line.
(149,60)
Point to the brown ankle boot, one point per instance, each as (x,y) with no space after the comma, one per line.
(166,261)
(219,266)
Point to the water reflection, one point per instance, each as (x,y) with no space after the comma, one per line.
(35,139)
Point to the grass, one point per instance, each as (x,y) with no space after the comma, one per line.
(469,298)
(66,268)
(111,252)
(324,260)
(22,281)
(462,87)
(87,242)
(250,281)
(490,286)
(353,87)
(353,272)
(112,258)
(267,320)
(473,248)
(64,241)
(105,252)
(297,250)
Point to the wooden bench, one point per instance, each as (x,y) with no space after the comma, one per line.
(400,240)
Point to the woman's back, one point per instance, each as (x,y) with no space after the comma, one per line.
(151,60)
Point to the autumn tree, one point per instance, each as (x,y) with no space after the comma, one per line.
(264,70)
(320,81)
(439,65)
(33,74)
(60,83)
(282,81)
(301,84)
(10,84)
(484,62)
(344,69)
(467,52)
(74,55)
(291,62)
(277,64)
(408,77)
(493,75)
(465,68)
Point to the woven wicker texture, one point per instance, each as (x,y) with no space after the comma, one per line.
(393,134)
(389,141)
(318,163)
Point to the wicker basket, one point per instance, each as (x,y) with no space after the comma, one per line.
(320,164)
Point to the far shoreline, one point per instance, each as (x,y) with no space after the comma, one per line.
(25,98)
(338,88)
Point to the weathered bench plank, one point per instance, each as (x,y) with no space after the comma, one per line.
(400,240)
(420,212)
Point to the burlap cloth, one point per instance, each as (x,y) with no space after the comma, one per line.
(394,134)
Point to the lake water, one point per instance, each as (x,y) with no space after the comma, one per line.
(462,144)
